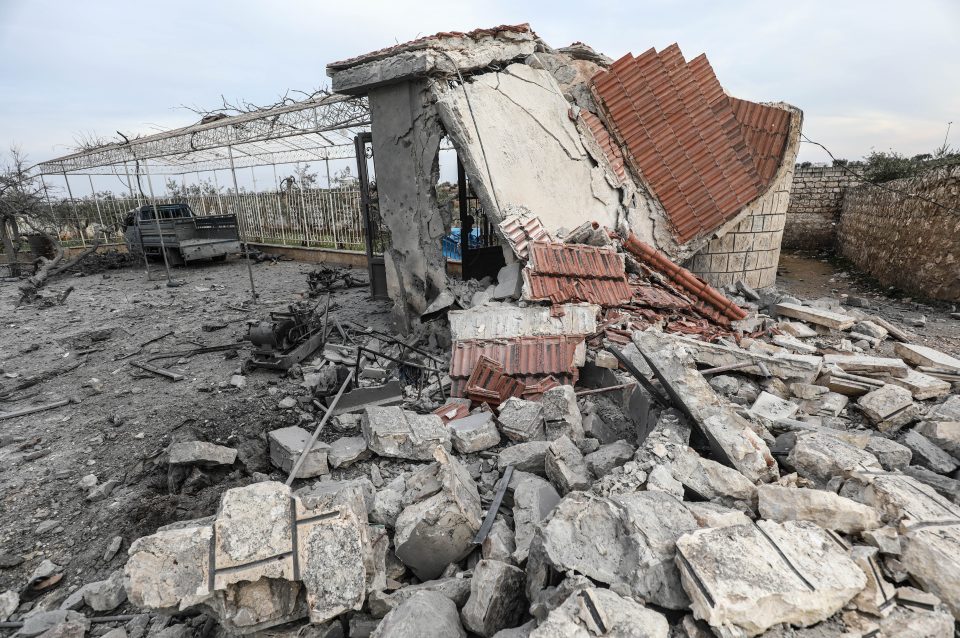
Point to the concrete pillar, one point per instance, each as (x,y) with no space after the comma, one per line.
(406,144)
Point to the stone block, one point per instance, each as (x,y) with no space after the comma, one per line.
(497,600)
(200,453)
(286,445)
(425,614)
(533,500)
(474,433)
(565,466)
(889,407)
(521,420)
(826,509)
(600,612)
(526,457)
(561,414)
(347,450)
(608,457)
(398,433)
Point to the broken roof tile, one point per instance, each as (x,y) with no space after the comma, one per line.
(703,154)
(521,230)
(575,272)
(519,356)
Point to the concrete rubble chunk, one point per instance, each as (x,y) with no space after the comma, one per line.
(497,600)
(601,612)
(891,455)
(521,420)
(931,555)
(474,433)
(889,407)
(200,453)
(533,500)
(731,437)
(927,454)
(426,614)
(502,321)
(886,539)
(946,434)
(509,282)
(565,466)
(659,479)
(792,572)
(949,410)
(917,614)
(9,601)
(595,427)
(772,407)
(561,414)
(250,568)
(347,450)
(640,530)
(819,457)
(398,433)
(286,445)
(608,457)
(817,316)
(715,515)
(922,386)
(713,481)
(826,509)
(439,530)
(64,622)
(525,457)
(500,543)
(865,365)
(105,595)
(878,598)
(926,356)
(781,364)
(455,588)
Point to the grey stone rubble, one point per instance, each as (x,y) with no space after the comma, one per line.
(813,484)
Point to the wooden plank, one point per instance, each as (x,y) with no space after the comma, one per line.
(36,408)
(163,372)
(926,356)
(826,318)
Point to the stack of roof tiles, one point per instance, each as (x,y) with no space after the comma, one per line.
(529,361)
(575,272)
(704,154)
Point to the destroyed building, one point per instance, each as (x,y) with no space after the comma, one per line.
(614,425)
(649,145)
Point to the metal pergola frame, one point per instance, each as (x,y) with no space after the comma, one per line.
(319,128)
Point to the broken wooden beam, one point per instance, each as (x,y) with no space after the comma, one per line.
(32,410)
(163,372)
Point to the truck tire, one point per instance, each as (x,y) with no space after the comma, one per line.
(219,258)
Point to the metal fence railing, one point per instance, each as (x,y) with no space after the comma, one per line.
(315,217)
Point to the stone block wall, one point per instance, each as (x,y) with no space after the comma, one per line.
(905,241)
(815,202)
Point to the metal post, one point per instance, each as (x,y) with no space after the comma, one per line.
(130,186)
(246,248)
(216,185)
(76,213)
(96,201)
(256,201)
(156,220)
(303,209)
(281,218)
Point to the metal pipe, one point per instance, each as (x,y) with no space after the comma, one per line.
(76,213)
(246,247)
(216,184)
(156,220)
(622,386)
(316,433)
(96,201)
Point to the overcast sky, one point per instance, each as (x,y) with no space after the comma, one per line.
(868,75)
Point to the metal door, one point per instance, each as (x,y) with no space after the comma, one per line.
(376,235)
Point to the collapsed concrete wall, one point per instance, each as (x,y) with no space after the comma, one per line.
(406,150)
(520,148)
(904,241)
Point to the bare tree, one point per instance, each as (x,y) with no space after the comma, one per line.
(24,206)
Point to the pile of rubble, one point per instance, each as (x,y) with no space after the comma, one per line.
(616,449)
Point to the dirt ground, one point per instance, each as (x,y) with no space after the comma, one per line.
(810,276)
(124,419)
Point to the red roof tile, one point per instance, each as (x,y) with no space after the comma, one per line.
(520,356)
(575,272)
(520,231)
(704,155)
